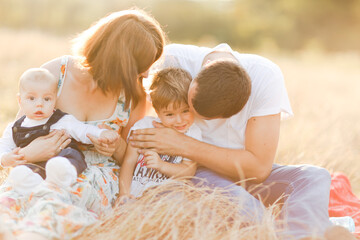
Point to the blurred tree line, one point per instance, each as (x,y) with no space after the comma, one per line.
(284,24)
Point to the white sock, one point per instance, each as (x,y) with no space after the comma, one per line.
(60,171)
(23,179)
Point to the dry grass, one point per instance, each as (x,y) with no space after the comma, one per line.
(325,132)
(182,211)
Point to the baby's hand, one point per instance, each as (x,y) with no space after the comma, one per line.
(107,143)
(109,136)
(13,158)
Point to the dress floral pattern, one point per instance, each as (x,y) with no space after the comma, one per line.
(63,213)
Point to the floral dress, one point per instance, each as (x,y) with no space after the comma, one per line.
(63,213)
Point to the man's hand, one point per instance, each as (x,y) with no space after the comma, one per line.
(13,158)
(161,139)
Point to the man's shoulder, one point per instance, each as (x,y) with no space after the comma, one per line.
(183,49)
(178,46)
(194,131)
(256,62)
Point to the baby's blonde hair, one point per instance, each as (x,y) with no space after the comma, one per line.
(37,75)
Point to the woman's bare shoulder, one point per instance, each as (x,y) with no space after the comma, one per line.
(54,65)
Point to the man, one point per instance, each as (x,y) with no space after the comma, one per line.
(239,100)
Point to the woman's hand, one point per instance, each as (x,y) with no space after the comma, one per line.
(13,158)
(105,146)
(45,147)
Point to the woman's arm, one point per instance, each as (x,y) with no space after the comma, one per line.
(183,169)
(127,170)
(135,115)
(46,147)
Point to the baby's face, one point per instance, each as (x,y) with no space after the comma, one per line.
(179,118)
(37,99)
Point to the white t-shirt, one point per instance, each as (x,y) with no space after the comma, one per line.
(268,94)
(144,177)
(73,127)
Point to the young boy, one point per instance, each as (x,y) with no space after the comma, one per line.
(138,172)
(37,99)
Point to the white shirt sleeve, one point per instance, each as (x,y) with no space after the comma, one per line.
(143,123)
(76,129)
(194,132)
(7,143)
(187,57)
(268,93)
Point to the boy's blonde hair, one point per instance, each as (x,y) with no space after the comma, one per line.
(118,48)
(38,75)
(170,85)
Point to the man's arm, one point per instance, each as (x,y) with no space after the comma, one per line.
(255,161)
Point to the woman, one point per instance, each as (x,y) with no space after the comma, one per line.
(102,85)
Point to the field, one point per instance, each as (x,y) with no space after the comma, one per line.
(322,87)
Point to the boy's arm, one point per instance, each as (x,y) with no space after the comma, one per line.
(184,169)
(127,170)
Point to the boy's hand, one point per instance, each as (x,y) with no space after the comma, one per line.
(13,158)
(153,160)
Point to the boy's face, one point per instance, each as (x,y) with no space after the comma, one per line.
(37,99)
(179,118)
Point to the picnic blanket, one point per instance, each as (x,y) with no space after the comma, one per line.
(343,201)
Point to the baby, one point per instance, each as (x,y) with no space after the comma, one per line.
(138,172)
(37,98)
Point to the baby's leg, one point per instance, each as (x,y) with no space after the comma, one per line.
(23,179)
(64,169)
(38,168)
(76,158)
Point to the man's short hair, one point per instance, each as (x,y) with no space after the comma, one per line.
(170,85)
(222,90)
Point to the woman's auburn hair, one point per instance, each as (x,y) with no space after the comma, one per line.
(118,48)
